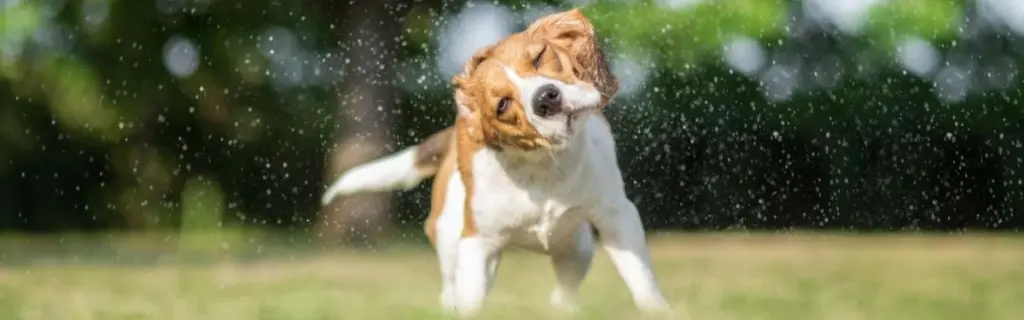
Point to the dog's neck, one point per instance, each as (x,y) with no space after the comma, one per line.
(544,163)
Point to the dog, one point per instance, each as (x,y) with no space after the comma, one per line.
(530,162)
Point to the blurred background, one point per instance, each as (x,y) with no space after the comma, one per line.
(206,115)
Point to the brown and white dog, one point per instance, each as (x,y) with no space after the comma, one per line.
(529,162)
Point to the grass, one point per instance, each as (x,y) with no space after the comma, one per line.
(707,276)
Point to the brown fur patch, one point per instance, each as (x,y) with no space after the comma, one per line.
(440,187)
(467,144)
(574,32)
(462,145)
(432,150)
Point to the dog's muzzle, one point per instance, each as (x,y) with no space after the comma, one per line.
(547,101)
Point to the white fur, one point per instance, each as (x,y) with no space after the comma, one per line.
(449,231)
(397,171)
(546,202)
(455,253)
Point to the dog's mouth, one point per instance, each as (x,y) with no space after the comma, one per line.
(575,115)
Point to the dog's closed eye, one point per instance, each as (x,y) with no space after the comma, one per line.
(540,57)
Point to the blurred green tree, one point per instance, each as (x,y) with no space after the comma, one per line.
(750,113)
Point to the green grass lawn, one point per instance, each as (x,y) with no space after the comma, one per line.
(706,276)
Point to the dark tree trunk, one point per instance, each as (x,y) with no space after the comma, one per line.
(370,32)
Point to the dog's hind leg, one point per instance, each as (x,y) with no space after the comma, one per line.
(493,262)
(571,266)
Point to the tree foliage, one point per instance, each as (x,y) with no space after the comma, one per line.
(118,113)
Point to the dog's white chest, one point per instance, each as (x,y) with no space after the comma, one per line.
(549,231)
(541,205)
(541,231)
(535,211)
(537,226)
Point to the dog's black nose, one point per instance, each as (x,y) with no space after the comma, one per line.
(547,101)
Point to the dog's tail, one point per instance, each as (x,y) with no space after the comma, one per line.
(400,171)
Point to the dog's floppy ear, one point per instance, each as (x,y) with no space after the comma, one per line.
(572,31)
(462,104)
(461,81)
(562,25)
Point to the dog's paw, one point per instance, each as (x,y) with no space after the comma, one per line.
(564,301)
(448,301)
(467,312)
(655,306)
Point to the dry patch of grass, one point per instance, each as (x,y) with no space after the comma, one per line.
(707,276)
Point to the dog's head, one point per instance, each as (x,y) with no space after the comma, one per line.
(533,89)
(572,31)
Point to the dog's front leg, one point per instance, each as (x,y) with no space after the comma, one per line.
(622,236)
(473,276)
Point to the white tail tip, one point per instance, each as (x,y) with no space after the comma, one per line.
(397,171)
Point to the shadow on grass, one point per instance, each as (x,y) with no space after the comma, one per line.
(161,248)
